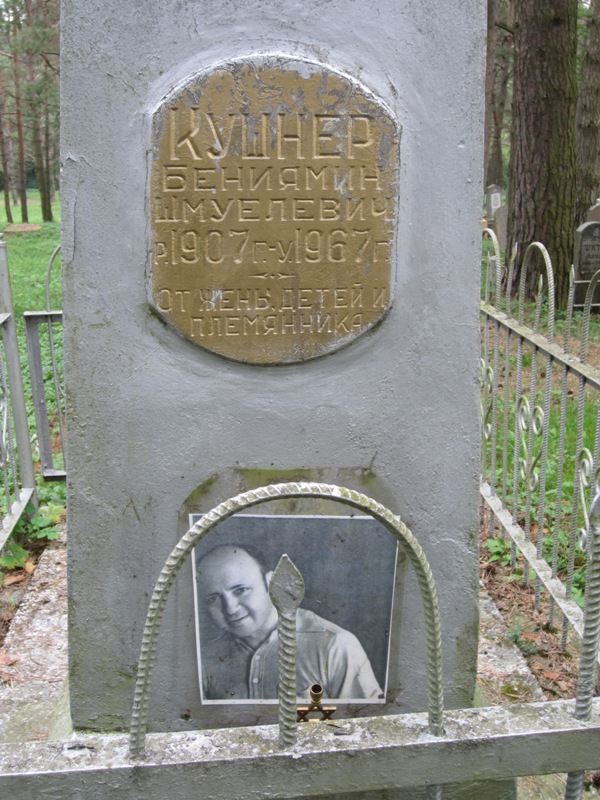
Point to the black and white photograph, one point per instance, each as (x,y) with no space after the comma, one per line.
(343,623)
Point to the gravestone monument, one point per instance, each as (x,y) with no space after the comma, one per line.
(254,293)
(587,258)
(493,201)
(593,215)
(500,224)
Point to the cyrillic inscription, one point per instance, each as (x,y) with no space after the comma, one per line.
(273,211)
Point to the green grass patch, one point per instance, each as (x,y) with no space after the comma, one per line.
(28,254)
(34,209)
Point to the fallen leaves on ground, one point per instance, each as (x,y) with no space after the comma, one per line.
(554,668)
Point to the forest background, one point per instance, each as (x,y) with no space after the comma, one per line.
(29,104)
(542,127)
(542,116)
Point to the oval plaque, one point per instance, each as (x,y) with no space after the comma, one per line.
(273,210)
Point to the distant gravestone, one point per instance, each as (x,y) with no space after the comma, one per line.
(494,200)
(593,214)
(587,257)
(500,224)
(587,250)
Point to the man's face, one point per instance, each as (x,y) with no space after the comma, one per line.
(235,593)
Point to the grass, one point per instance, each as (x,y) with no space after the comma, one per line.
(507,376)
(28,255)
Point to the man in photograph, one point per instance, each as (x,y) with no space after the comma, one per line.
(241,661)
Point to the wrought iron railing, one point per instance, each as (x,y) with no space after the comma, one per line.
(43,331)
(541,429)
(16,465)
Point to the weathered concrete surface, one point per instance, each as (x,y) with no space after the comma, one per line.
(32,707)
(152,417)
(502,669)
(33,671)
(377,753)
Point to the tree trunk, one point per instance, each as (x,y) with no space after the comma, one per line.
(542,164)
(499,97)
(588,120)
(4,160)
(48,157)
(21,182)
(490,77)
(498,67)
(34,96)
(12,169)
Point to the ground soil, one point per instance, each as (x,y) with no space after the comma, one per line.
(540,642)
(13,586)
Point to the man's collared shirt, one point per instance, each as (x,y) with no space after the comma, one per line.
(326,654)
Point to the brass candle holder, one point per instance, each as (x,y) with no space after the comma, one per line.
(316,696)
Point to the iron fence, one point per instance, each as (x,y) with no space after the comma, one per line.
(16,464)
(43,333)
(540,430)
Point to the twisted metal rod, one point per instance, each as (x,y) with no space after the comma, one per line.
(286,591)
(58,390)
(190,539)
(561,444)
(580,418)
(591,640)
(286,632)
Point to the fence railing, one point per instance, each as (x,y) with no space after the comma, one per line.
(43,332)
(50,426)
(540,429)
(16,464)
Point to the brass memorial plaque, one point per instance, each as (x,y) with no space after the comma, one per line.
(273,210)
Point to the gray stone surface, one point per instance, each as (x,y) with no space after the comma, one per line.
(587,250)
(152,418)
(493,201)
(34,686)
(33,657)
(499,225)
(593,214)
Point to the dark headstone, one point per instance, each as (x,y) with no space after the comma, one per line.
(587,250)
(593,214)
(587,257)
(499,226)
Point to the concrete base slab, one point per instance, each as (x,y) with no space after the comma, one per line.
(34,699)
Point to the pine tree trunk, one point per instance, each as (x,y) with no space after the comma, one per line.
(588,120)
(12,169)
(497,76)
(4,162)
(499,97)
(21,182)
(542,164)
(490,76)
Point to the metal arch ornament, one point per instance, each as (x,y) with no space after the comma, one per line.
(533,421)
(587,307)
(499,268)
(487,386)
(189,540)
(549,279)
(588,475)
